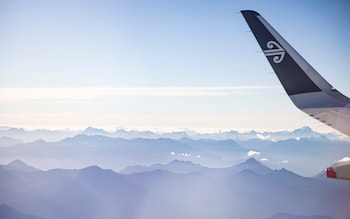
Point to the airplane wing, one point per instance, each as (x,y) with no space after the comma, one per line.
(307,89)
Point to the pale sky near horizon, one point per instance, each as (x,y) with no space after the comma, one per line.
(160,65)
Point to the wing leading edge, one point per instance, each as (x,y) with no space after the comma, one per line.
(307,89)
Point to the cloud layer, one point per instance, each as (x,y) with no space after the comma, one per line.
(75,94)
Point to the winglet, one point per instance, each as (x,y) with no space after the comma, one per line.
(308,90)
(250,12)
(287,63)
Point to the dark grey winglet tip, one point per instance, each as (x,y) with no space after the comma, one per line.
(250,12)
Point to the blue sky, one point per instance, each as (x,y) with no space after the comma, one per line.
(160,65)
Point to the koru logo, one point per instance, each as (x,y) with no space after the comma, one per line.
(275,50)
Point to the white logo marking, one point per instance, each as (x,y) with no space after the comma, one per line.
(275,50)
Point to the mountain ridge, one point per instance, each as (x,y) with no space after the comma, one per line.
(18,165)
(88,192)
(303,156)
(57,135)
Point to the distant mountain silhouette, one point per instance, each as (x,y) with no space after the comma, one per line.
(34,135)
(18,165)
(49,135)
(171,175)
(303,151)
(175,166)
(253,165)
(94,131)
(183,167)
(116,153)
(96,193)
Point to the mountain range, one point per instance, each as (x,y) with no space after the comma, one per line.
(131,174)
(246,190)
(187,167)
(305,156)
(18,135)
